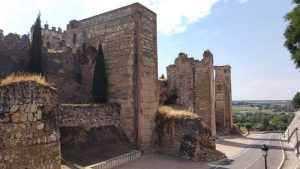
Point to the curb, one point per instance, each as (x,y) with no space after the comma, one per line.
(284,155)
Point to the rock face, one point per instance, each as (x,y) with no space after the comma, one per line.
(29,136)
(186,136)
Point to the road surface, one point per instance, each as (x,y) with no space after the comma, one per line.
(251,157)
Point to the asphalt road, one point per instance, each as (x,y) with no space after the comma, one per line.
(251,157)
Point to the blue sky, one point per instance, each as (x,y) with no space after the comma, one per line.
(247,34)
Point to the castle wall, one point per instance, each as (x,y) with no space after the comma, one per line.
(128,37)
(181,81)
(64,64)
(52,38)
(223,97)
(205,90)
(29,136)
(193,83)
(14,53)
(89,115)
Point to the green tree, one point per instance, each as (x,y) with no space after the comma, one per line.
(296,100)
(100,80)
(292,33)
(248,126)
(35,51)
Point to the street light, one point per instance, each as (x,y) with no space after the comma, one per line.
(264,150)
(296,129)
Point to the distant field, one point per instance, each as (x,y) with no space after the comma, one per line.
(236,108)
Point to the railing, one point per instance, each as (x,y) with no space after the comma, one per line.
(116,161)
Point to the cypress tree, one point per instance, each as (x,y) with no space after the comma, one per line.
(100,80)
(35,52)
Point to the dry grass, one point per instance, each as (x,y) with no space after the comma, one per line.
(23,77)
(169,112)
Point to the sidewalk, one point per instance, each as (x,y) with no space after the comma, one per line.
(291,160)
(231,146)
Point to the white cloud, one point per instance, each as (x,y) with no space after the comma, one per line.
(173,15)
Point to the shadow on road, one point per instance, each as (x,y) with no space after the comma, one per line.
(257,146)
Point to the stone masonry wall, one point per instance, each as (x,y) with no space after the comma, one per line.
(64,64)
(187,137)
(29,136)
(129,39)
(223,97)
(53,39)
(193,83)
(89,115)
(14,54)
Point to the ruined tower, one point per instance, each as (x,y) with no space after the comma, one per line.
(223,97)
(193,83)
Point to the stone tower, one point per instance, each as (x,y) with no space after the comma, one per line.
(223,97)
(29,136)
(129,39)
(193,82)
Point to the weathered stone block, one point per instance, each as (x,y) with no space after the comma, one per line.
(14,108)
(19,117)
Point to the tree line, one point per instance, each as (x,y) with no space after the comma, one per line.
(263,121)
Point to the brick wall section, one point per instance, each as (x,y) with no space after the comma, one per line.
(89,115)
(193,82)
(29,136)
(128,36)
(223,97)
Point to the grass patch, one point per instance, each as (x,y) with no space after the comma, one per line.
(23,77)
(169,112)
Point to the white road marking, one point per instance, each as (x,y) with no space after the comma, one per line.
(258,156)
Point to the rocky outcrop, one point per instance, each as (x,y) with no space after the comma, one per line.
(185,134)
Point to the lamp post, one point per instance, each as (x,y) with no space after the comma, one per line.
(264,150)
(296,129)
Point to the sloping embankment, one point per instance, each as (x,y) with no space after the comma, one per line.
(289,133)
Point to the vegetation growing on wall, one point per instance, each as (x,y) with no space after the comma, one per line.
(17,78)
(100,79)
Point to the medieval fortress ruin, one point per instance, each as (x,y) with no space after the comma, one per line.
(33,117)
